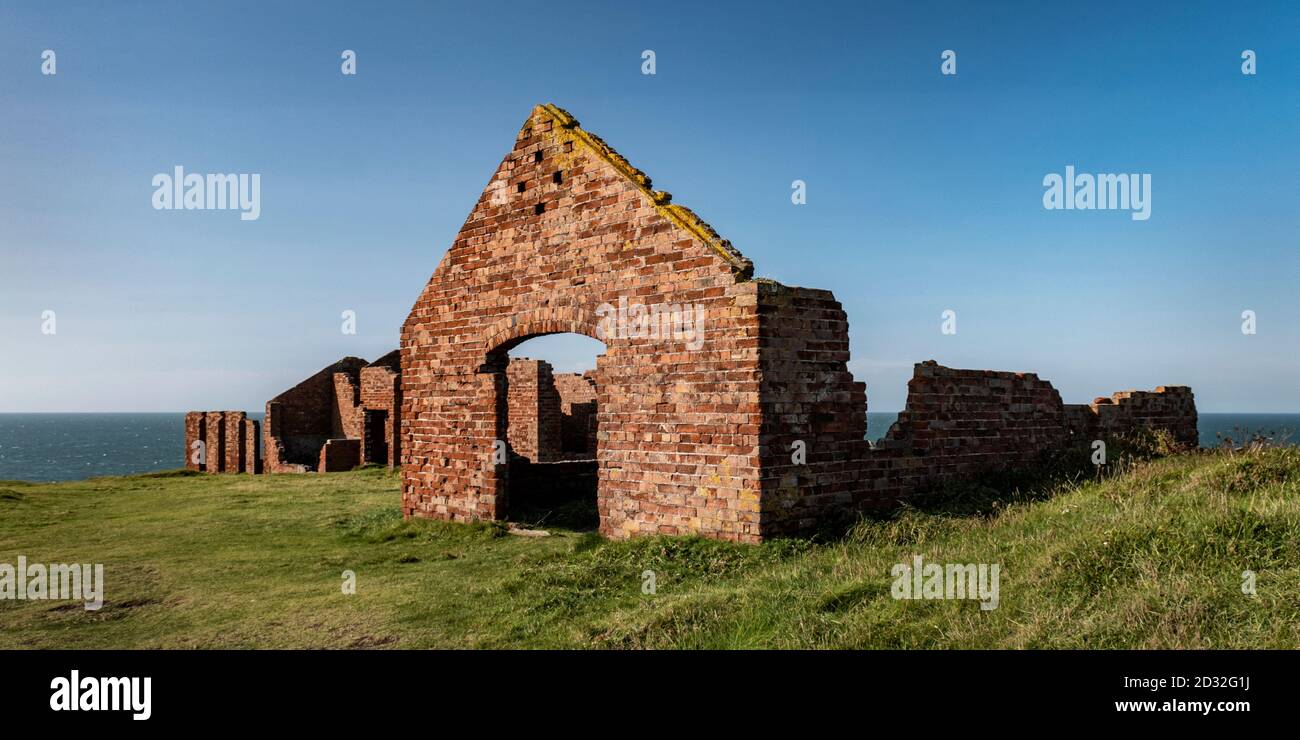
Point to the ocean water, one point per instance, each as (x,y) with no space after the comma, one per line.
(56,447)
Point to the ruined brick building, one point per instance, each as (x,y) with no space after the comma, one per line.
(754,428)
(551,417)
(349,413)
(222,442)
(722,405)
(345,415)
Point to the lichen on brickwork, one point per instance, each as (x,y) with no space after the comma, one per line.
(684,217)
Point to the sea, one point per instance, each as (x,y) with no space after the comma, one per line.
(62,447)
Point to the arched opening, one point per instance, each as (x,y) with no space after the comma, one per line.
(547,417)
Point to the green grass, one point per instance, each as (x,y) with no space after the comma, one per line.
(1148,559)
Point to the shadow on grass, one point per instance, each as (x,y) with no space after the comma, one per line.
(576,514)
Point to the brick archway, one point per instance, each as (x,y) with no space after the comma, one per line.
(507,333)
(549,422)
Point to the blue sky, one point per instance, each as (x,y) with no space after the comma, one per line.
(924,190)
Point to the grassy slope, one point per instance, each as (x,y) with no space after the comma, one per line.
(1152,558)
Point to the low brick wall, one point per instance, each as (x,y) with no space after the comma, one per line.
(968,420)
(958,424)
(1171,408)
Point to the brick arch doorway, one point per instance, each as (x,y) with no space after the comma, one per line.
(549,421)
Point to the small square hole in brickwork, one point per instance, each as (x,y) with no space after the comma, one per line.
(557,178)
(520,187)
(537,156)
(539,208)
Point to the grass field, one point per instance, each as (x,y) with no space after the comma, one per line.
(1147,559)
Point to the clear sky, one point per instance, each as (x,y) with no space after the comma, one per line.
(924,191)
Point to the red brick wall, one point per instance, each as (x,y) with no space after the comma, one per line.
(957,423)
(299,420)
(1172,408)
(235,442)
(216,441)
(347,420)
(228,446)
(335,404)
(811,403)
(381,391)
(196,429)
(534,410)
(978,419)
(252,453)
(679,427)
(577,414)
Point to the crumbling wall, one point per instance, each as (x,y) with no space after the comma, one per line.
(970,420)
(956,424)
(228,442)
(551,417)
(1171,408)
(381,392)
(814,414)
(534,410)
(346,416)
(577,414)
(350,399)
(300,420)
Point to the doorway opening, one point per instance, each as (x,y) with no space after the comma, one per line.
(549,406)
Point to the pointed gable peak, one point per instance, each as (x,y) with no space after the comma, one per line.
(683,217)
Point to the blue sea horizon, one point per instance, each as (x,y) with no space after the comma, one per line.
(46,447)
